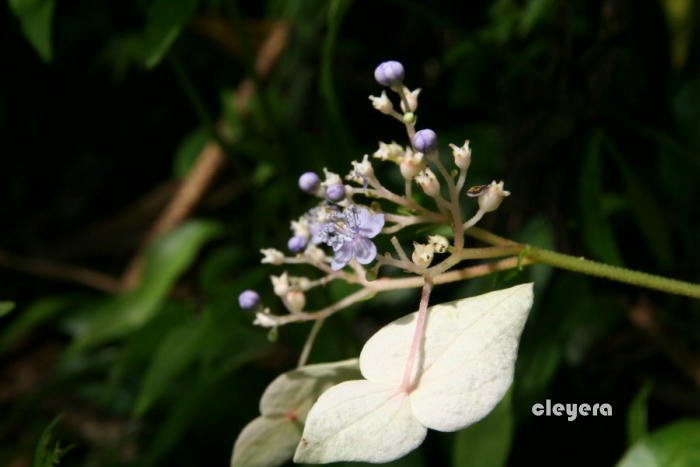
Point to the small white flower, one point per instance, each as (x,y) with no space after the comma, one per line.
(272,256)
(439,243)
(492,196)
(361,170)
(411,164)
(428,182)
(315,254)
(280,284)
(462,155)
(301,282)
(382,103)
(263,319)
(301,227)
(389,152)
(295,300)
(412,98)
(331,178)
(422,254)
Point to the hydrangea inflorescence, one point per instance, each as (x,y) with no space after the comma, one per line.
(337,236)
(341,237)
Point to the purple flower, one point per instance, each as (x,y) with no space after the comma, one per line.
(348,232)
(335,192)
(297,243)
(389,73)
(248,299)
(424,140)
(309,182)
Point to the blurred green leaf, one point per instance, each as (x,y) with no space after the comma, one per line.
(123,53)
(674,445)
(140,346)
(535,369)
(188,150)
(648,213)
(37,313)
(679,17)
(46,455)
(232,116)
(166,259)
(165,21)
(36,19)
(538,232)
(686,113)
(177,350)
(596,230)
(176,421)
(637,415)
(6,307)
(534,11)
(336,12)
(487,442)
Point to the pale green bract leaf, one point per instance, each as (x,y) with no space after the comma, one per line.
(266,442)
(295,391)
(464,369)
(270,439)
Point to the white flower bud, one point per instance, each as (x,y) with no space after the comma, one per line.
(263,319)
(280,284)
(389,152)
(428,182)
(411,164)
(422,254)
(301,227)
(272,256)
(302,283)
(295,300)
(331,178)
(462,155)
(439,243)
(492,196)
(361,170)
(315,254)
(411,98)
(382,103)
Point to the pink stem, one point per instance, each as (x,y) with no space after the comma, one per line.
(418,334)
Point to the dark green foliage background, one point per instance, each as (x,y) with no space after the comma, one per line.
(589,110)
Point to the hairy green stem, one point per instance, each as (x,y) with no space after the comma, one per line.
(592,268)
(616,273)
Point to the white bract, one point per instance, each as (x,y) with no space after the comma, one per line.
(270,439)
(465,366)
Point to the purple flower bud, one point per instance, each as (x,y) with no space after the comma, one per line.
(335,192)
(297,243)
(248,299)
(389,73)
(424,140)
(309,182)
